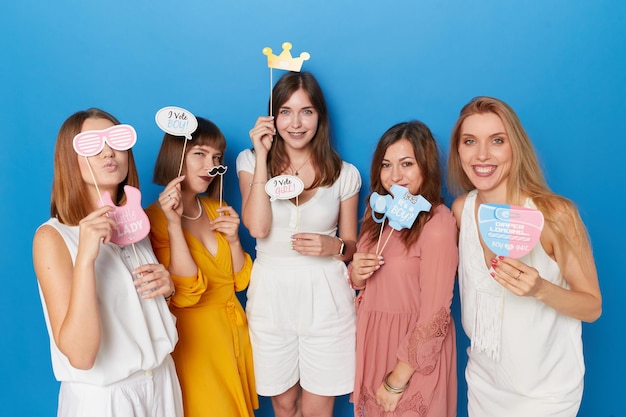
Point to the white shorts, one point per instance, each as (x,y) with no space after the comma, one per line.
(154,393)
(302,327)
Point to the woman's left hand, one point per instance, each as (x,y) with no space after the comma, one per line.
(386,399)
(314,244)
(227,223)
(516,276)
(153,280)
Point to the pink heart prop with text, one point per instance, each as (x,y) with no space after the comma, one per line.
(507,230)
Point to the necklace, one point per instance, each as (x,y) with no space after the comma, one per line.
(301,166)
(199,211)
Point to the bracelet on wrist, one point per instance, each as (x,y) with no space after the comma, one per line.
(256,182)
(169,297)
(342,248)
(390,388)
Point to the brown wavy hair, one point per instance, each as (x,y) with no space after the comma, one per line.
(324,158)
(168,160)
(69,201)
(427,155)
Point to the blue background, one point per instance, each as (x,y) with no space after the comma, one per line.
(561,64)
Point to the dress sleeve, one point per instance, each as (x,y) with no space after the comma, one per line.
(188,289)
(350,181)
(246,161)
(242,277)
(421,347)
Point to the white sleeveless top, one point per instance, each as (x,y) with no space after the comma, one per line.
(522,350)
(137,334)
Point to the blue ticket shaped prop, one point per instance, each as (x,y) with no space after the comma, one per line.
(507,230)
(401,210)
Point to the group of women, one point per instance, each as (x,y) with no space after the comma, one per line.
(127,323)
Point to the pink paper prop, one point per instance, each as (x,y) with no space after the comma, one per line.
(284,187)
(132,222)
(401,209)
(507,230)
(118,137)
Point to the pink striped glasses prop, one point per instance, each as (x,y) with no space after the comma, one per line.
(118,137)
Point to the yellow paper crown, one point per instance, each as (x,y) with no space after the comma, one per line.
(285,61)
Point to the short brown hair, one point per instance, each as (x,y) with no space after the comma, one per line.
(168,161)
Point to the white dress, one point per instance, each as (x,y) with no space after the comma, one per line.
(133,373)
(300,309)
(525,358)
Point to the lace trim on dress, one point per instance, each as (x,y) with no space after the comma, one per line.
(426,341)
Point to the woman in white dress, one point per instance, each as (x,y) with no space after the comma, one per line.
(300,306)
(524,315)
(110,336)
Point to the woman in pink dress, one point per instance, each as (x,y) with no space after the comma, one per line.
(406,357)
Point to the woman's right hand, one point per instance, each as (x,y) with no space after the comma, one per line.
(262,135)
(96,227)
(363,266)
(170,200)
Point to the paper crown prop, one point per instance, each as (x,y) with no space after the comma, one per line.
(509,230)
(401,209)
(285,61)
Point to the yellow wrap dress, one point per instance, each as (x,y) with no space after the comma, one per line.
(213,356)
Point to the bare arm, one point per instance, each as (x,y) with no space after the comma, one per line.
(572,252)
(181,263)
(315,244)
(256,211)
(70,289)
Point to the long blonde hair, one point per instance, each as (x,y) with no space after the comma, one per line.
(526,178)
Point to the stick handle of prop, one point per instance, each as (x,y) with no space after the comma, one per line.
(221,188)
(386,241)
(182,158)
(380,235)
(297,215)
(136,255)
(271,93)
(93,177)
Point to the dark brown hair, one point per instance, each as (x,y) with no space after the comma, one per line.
(427,156)
(168,161)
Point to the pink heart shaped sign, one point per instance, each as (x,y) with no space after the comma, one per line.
(507,230)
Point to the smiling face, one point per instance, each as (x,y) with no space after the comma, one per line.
(109,167)
(485,153)
(296,121)
(400,167)
(198,161)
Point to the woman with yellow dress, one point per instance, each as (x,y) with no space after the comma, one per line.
(197,238)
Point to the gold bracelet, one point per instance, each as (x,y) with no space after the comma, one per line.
(391,389)
(256,182)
